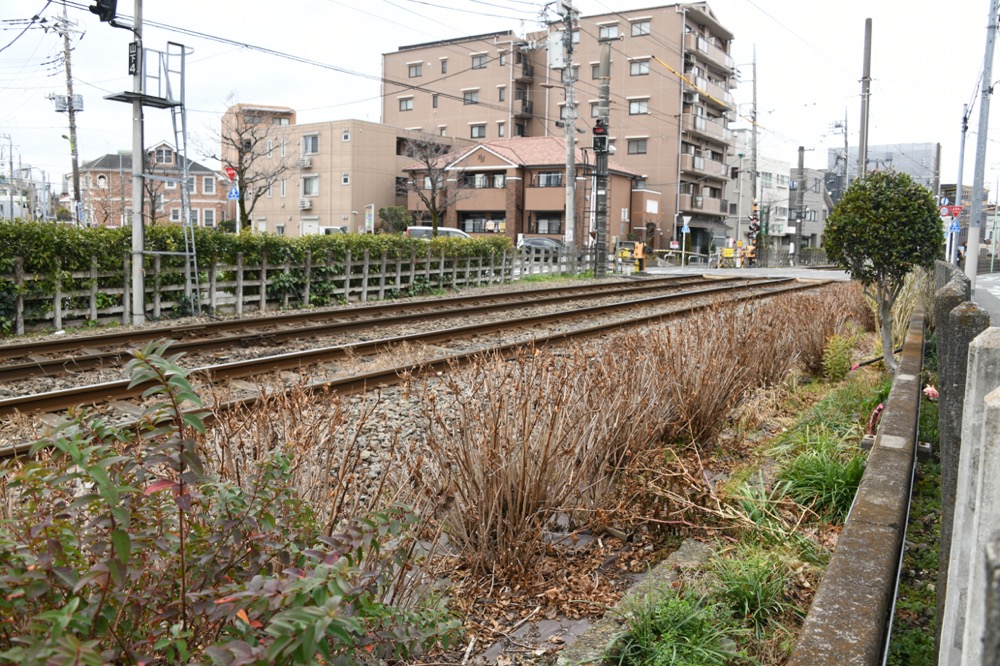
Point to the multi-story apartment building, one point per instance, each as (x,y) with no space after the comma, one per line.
(516,186)
(670,78)
(816,205)
(315,177)
(106,189)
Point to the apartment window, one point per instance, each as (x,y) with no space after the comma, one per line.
(640,184)
(401,186)
(478,131)
(503,58)
(175,214)
(415,70)
(595,71)
(480,181)
(444,65)
(434,101)
(637,146)
(279,229)
(208,184)
(193,216)
(470,97)
(283,122)
(548,224)
(608,32)
(519,129)
(270,191)
(283,188)
(501,130)
(284,148)
(640,28)
(102,181)
(158,202)
(208,218)
(310,186)
(345,178)
(406,104)
(251,120)
(550,179)
(766,179)
(595,109)
(443,130)
(171,185)
(346,135)
(639,68)
(164,156)
(479,61)
(310,144)
(502,93)
(270,148)
(637,107)
(192,186)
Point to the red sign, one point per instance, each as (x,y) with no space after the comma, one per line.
(955,210)
(230,172)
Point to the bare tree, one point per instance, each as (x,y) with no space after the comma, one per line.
(153,188)
(429,177)
(249,143)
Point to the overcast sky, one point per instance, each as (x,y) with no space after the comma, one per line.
(926,62)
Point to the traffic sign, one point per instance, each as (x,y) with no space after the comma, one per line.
(230,172)
(955,210)
(685,229)
(234,193)
(945,211)
(954,228)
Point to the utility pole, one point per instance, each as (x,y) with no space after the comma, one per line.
(866,81)
(800,203)
(138,161)
(601,158)
(952,244)
(975,221)
(570,124)
(71,112)
(10,182)
(758,240)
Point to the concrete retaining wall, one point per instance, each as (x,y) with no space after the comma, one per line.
(849,617)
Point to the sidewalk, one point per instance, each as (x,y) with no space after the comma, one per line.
(987,295)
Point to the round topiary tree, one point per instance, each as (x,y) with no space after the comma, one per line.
(884,226)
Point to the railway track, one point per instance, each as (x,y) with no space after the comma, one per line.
(638,312)
(68,355)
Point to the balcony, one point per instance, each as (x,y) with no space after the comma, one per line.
(714,93)
(305,162)
(523,108)
(524,73)
(709,52)
(305,204)
(704,127)
(703,167)
(697,203)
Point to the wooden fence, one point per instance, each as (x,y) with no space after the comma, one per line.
(76,298)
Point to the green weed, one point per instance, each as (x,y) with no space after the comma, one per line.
(752,584)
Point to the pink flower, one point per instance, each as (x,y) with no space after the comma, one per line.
(930,393)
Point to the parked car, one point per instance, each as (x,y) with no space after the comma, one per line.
(428,232)
(542,246)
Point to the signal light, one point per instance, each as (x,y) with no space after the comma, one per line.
(105,9)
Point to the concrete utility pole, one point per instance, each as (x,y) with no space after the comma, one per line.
(10,182)
(761,239)
(866,82)
(952,245)
(801,205)
(601,159)
(138,161)
(71,112)
(570,124)
(975,217)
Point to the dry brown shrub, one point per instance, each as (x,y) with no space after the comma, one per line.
(824,313)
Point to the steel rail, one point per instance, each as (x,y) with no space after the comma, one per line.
(95,359)
(120,338)
(389,376)
(96,393)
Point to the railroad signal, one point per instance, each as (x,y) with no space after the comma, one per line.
(601,136)
(105,9)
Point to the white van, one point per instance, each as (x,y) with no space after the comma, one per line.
(428,232)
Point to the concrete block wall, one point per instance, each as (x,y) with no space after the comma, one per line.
(977,509)
(849,618)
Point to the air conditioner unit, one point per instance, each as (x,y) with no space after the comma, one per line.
(305,204)
(690,98)
(305,163)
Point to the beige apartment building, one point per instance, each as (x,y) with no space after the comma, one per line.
(317,177)
(516,186)
(670,103)
(106,189)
